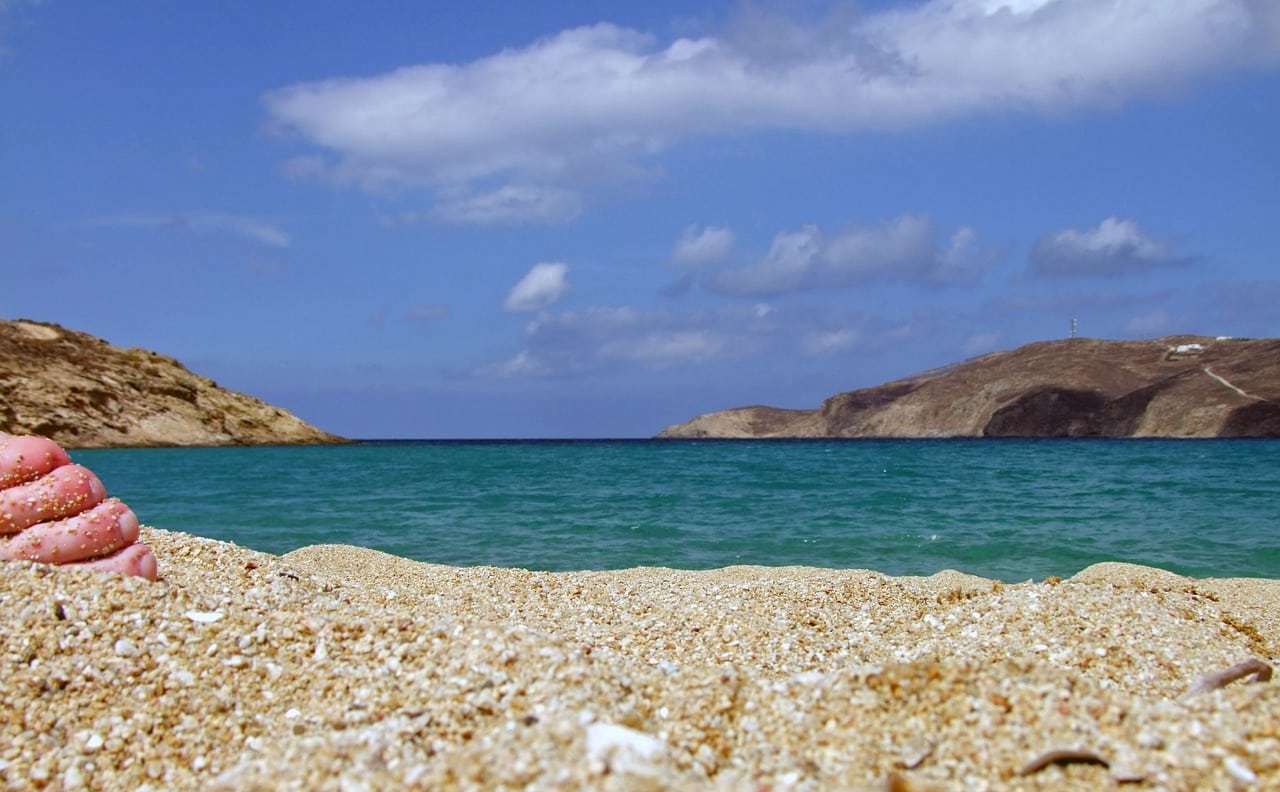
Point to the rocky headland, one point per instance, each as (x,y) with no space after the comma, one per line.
(83,392)
(1179,386)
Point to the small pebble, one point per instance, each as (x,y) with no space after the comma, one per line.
(1240,771)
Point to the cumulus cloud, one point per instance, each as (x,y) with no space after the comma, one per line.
(905,248)
(509,205)
(200,222)
(700,247)
(1114,247)
(541,286)
(588,102)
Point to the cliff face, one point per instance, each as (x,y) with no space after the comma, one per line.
(85,393)
(1180,386)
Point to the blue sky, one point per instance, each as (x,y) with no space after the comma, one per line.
(418,219)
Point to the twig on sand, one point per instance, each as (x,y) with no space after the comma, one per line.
(1260,671)
(1061,756)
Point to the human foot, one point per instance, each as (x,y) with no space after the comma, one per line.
(56,512)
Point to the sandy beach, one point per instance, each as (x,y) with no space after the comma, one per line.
(344,668)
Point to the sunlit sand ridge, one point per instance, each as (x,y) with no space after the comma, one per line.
(339,667)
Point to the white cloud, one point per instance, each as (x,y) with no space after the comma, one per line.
(579,342)
(791,259)
(905,248)
(663,348)
(1115,247)
(541,286)
(510,205)
(576,342)
(700,247)
(961,261)
(587,103)
(522,365)
(828,342)
(200,222)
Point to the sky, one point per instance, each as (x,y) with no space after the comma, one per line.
(448,220)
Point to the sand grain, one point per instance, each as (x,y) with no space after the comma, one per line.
(344,668)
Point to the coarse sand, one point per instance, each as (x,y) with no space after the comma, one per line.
(344,668)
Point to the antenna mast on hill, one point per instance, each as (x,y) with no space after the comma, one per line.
(1073,328)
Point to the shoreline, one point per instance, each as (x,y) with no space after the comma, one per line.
(335,665)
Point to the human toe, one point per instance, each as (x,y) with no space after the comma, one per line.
(63,492)
(136,560)
(99,531)
(26,458)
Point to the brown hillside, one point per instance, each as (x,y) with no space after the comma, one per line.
(85,393)
(1180,386)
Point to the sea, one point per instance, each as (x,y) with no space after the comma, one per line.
(1006,509)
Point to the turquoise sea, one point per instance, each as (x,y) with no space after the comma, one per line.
(1007,509)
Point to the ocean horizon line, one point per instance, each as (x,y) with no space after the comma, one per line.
(653,439)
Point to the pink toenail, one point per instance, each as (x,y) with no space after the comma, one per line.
(128,523)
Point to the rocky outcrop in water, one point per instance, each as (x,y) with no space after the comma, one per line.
(85,393)
(1180,386)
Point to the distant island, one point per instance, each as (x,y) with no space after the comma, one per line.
(82,392)
(1178,386)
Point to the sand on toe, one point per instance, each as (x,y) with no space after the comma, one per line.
(344,668)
